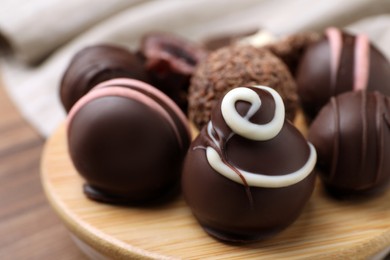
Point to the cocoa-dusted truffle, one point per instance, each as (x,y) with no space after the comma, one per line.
(234,66)
(338,63)
(248,175)
(352,137)
(170,62)
(127,140)
(96,64)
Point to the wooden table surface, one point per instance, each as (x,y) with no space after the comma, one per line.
(29,229)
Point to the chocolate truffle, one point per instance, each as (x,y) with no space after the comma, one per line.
(241,178)
(96,64)
(234,66)
(128,141)
(352,137)
(338,63)
(170,62)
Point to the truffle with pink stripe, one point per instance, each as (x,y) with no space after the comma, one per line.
(127,140)
(338,63)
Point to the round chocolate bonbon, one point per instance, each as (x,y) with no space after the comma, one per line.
(128,141)
(352,137)
(338,63)
(96,64)
(248,175)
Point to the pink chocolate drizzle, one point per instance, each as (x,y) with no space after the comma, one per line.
(335,41)
(122,92)
(362,62)
(361,58)
(150,91)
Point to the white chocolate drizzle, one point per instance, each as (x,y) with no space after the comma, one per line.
(243,127)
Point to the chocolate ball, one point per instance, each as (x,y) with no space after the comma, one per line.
(241,177)
(96,64)
(233,66)
(170,62)
(128,141)
(352,137)
(338,63)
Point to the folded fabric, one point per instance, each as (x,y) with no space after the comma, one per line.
(33,29)
(35,89)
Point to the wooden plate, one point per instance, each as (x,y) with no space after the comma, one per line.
(326,229)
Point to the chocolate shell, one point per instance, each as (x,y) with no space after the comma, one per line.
(96,64)
(128,141)
(338,63)
(234,66)
(352,137)
(248,175)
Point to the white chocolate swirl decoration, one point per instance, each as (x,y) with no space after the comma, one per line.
(258,132)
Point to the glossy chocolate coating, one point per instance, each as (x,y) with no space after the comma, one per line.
(125,150)
(170,62)
(236,212)
(96,64)
(352,137)
(316,81)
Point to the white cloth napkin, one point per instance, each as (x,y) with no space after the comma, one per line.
(44,34)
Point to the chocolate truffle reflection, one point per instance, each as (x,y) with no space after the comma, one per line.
(248,175)
(96,64)
(128,141)
(338,63)
(352,137)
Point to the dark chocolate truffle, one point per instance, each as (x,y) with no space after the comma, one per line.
(248,175)
(238,65)
(338,63)
(170,62)
(96,64)
(128,141)
(352,137)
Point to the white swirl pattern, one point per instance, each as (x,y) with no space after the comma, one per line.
(243,127)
